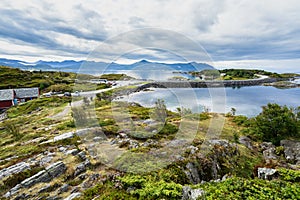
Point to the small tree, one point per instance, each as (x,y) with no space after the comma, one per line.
(233,111)
(184,111)
(160,111)
(275,123)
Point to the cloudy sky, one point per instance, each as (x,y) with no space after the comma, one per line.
(242,33)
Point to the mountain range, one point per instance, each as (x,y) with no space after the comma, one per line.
(91,67)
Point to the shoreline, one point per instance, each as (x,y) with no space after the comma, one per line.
(210,84)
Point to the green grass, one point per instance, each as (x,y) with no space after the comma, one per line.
(32,121)
(36,104)
(16,78)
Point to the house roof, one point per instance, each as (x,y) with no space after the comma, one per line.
(27,92)
(7,94)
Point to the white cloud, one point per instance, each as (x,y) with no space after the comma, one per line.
(282,66)
(229,30)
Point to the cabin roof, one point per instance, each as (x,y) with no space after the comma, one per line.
(7,94)
(27,92)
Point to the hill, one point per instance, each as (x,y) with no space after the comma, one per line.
(91,67)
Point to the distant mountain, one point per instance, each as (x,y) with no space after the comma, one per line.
(91,67)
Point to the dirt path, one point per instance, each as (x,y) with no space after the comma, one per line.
(66,110)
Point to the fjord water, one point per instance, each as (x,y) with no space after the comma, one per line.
(246,100)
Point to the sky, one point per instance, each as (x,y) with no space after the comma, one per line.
(229,33)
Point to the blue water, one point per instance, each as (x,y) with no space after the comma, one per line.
(246,100)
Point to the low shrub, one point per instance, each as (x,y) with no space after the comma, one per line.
(289,175)
(147,188)
(240,188)
(204,116)
(168,129)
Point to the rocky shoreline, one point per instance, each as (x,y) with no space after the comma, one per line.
(210,84)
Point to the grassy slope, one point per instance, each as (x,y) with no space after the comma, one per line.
(16,78)
(34,120)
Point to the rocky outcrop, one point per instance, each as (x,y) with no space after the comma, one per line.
(43,176)
(266,173)
(60,137)
(291,151)
(125,142)
(191,194)
(64,188)
(266,145)
(268,150)
(210,162)
(40,177)
(246,141)
(73,196)
(14,169)
(80,168)
(56,169)
(46,188)
(72,152)
(3,116)
(83,133)
(192,173)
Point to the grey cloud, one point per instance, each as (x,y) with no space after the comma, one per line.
(17,26)
(228,30)
(152,44)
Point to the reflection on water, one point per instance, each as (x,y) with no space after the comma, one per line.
(246,100)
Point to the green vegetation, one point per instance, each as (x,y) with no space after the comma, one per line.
(107,191)
(86,86)
(36,105)
(241,188)
(160,111)
(160,189)
(239,74)
(12,129)
(51,81)
(232,74)
(16,78)
(210,74)
(115,77)
(288,75)
(289,175)
(275,123)
(28,121)
(139,112)
(157,185)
